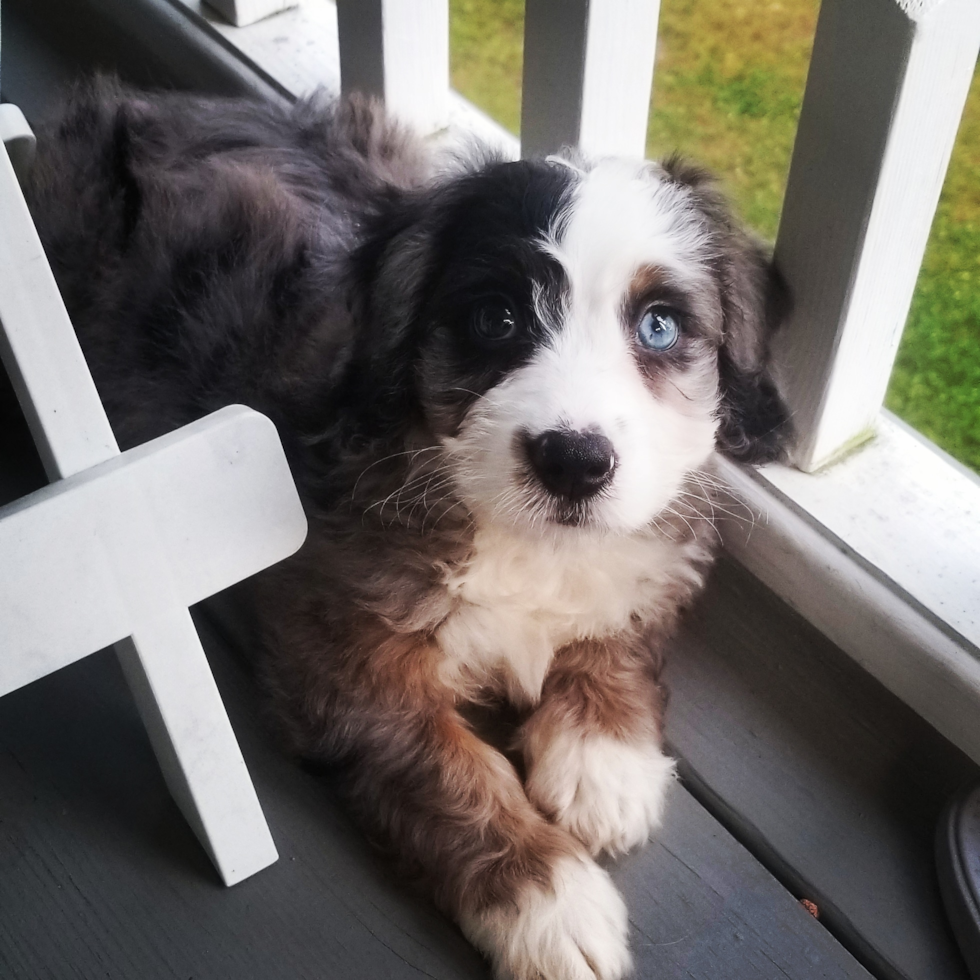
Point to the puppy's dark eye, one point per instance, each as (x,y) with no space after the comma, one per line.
(659,328)
(494,325)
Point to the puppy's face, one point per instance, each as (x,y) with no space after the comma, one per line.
(584,338)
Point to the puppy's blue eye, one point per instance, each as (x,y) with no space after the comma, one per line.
(495,325)
(659,328)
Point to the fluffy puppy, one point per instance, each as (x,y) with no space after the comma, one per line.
(496,385)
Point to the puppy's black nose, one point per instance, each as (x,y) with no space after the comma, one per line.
(571,464)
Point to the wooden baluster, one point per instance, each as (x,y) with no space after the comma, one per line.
(887,84)
(398,50)
(244,12)
(588,71)
(38,344)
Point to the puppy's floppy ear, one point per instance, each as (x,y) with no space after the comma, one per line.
(390,271)
(754,423)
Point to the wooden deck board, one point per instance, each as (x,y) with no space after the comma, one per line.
(702,907)
(830,779)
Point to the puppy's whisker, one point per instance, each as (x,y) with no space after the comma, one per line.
(468,391)
(413,490)
(727,494)
(422,498)
(381,504)
(676,513)
(450,503)
(696,502)
(414,453)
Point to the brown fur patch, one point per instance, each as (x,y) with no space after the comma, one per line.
(449,807)
(610,687)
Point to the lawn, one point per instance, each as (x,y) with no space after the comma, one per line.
(728,85)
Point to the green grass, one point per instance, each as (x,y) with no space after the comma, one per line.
(936,382)
(486,39)
(728,86)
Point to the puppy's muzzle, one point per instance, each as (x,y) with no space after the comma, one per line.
(572,465)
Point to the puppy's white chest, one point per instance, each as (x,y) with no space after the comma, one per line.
(521,598)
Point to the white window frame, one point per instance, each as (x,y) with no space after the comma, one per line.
(874,545)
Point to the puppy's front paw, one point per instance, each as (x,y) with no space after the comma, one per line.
(574,930)
(609,793)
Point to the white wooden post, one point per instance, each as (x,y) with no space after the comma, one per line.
(398,50)
(244,12)
(119,545)
(887,84)
(18,137)
(588,72)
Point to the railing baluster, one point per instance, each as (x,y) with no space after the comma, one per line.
(241,13)
(38,346)
(887,84)
(398,50)
(588,70)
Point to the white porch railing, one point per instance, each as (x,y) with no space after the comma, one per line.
(588,69)
(887,84)
(399,52)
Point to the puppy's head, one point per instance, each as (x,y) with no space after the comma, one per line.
(579,338)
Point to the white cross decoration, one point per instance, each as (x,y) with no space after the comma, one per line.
(118,545)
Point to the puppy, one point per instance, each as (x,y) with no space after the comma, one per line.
(497,384)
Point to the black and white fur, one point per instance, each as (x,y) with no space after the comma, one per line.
(504,481)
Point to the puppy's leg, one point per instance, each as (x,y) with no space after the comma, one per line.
(593,747)
(454,811)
